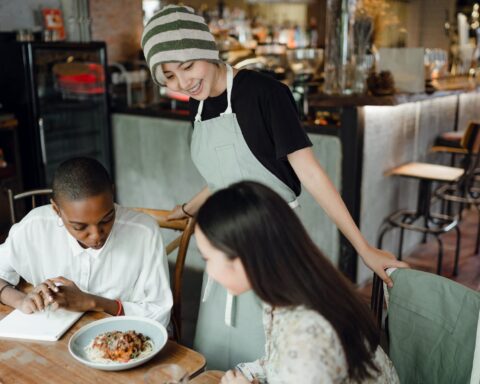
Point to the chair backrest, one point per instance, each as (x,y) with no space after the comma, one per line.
(186,227)
(471,138)
(376,300)
(36,197)
(470,142)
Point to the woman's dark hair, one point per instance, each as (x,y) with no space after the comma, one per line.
(285,268)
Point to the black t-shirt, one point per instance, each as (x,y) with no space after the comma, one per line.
(268,118)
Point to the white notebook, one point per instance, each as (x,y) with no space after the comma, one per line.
(48,326)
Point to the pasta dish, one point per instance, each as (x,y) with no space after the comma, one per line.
(117,346)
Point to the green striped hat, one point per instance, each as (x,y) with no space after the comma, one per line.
(176,33)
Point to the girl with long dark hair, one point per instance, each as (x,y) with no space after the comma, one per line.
(317,329)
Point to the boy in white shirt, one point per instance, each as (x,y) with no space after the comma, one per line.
(85,253)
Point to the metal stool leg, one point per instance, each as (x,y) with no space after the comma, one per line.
(387,228)
(400,244)
(457,251)
(440,255)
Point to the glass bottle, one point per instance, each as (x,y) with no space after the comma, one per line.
(339,52)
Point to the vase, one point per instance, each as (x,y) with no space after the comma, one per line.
(363,28)
(339,47)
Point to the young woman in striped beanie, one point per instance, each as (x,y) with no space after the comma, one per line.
(246,126)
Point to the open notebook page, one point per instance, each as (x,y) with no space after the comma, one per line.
(48,326)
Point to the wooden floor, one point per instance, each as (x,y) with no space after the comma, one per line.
(424,256)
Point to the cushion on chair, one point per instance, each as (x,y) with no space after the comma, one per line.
(432,328)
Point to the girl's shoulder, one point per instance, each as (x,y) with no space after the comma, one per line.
(253,81)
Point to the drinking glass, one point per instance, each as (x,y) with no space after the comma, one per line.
(166,374)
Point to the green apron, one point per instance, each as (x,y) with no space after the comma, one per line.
(229,329)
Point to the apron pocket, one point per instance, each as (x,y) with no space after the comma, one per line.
(228,165)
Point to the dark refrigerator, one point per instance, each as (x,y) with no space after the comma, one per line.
(58,93)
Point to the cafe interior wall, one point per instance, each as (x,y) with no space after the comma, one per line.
(120,24)
(299,13)
(15,15)
(419,23)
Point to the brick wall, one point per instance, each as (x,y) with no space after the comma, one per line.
(119,23)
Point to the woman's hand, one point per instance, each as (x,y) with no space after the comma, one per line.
(235,377)
(177,213)
(189,209)
(378,260)
(70,297)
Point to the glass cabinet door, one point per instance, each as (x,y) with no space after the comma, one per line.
(73,116)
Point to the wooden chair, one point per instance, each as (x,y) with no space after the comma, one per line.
(37,197)
(186,226)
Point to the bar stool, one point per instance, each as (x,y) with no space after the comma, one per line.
(466,191)
(432,223)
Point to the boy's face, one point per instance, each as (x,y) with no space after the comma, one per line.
(90,220)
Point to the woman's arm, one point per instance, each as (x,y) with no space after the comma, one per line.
(191,207)
(317,182)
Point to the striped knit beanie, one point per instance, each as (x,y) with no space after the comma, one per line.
(176,34)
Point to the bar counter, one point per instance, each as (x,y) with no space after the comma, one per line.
(372,135)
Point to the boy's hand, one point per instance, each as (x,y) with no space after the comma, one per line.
(39,298)
(70,297)
(32,302)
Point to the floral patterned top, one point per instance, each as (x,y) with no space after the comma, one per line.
(303,347)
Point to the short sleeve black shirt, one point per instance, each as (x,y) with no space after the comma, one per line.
(267,115)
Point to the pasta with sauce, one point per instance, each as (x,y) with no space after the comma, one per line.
(117,346)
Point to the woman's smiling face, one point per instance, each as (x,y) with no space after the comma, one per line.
(197,79)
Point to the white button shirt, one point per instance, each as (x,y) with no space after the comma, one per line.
(131,266)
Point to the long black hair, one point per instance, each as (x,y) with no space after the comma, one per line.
(285,268)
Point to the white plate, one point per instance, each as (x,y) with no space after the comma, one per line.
(83,337)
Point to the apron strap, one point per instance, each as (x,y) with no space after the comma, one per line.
(198,116)
(229,90)
(229,310)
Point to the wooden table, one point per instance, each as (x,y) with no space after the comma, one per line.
(32,362)
(208,377)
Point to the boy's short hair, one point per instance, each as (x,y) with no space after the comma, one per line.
(79,178)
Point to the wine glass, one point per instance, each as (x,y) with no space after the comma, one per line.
(167,374)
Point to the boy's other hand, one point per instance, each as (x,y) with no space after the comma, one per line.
(32,302)
(70,297)
(39,298)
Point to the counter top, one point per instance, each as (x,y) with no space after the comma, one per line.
(159,111)
(443,87)
(446,87)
